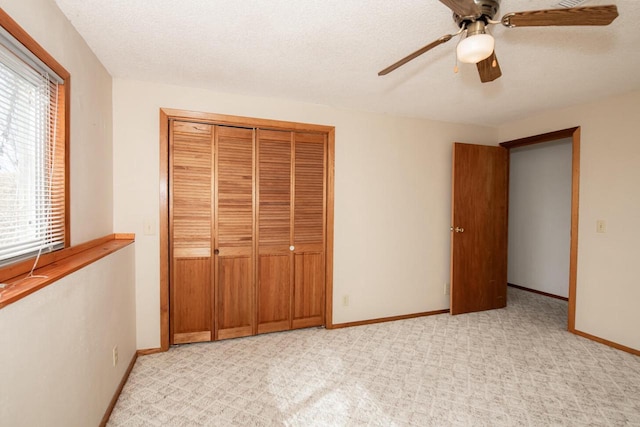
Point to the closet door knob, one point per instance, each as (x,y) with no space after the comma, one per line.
(216,251)
(292,248)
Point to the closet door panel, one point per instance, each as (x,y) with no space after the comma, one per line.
(274,293)
(308,299)
(234,225)
(192,300)
(234,187)
(309,224)
(190,222)
(309,230)
(274,230)
(274,188)
(235,294)
(191,189)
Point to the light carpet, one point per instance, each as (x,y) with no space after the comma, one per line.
(516,366)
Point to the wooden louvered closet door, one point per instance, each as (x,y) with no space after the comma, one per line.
(247,231)
(191,213)
(309,229)
(275,236)
(291,230)
(234,220)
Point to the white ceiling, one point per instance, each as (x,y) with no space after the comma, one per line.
(330,51)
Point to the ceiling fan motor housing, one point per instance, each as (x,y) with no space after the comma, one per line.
(484,10)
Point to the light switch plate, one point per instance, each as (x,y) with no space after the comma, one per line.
(149,226)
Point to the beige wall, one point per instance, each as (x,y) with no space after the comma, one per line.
(55,362)
(608,289)
(392,203)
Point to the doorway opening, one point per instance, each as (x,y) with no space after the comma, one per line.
(540,218)
(573,134)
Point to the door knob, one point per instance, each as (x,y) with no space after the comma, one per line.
(216,251)
(292,248)
(459,230)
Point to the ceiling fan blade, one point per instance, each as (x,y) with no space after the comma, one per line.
(462,7)
(489,69)
(590,15)
(415,54)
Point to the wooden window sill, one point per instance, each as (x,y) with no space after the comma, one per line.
(56,265)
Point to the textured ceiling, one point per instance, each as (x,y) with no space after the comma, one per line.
(329,52)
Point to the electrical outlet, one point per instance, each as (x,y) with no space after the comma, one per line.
(115,355)
(447,288)
(345,300)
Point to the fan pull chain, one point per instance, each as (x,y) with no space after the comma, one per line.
(455,66)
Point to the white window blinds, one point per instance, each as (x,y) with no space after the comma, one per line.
(32,157)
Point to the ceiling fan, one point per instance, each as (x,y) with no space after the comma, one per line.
(474,16)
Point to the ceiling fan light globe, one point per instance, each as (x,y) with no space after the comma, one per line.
(475,48)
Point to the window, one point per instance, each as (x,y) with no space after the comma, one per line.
(33,149)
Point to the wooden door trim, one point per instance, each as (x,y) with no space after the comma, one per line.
(240,121)
(545,137)
(164,231)
(328,283)
(168,114)
(574,134)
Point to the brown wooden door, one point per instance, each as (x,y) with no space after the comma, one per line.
(275,259)
(234,225)
(479,228)
(309,229)
(191,213)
